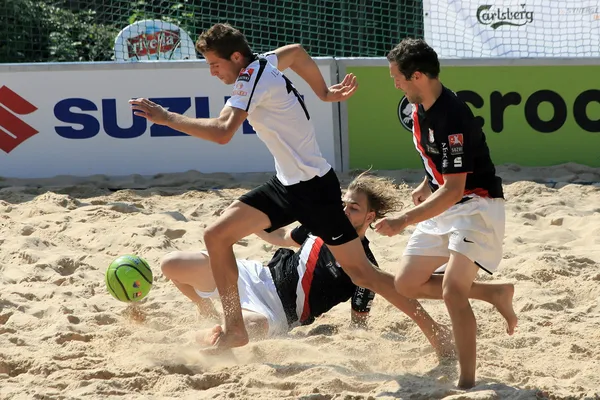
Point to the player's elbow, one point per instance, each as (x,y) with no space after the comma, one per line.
(457,195)
(299,48)
(223,139)
(298,55)
(224,135)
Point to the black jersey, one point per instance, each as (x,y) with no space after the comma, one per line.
(310,282)
(449,141)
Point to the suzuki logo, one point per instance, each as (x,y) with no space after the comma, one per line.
(13,131)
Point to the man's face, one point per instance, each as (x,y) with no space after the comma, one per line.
(409,87)
(226,70)
(356,207)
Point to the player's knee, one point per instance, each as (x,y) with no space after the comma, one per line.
(454,293)
(169,264)
(405,284)
(218,236)
(399,285)
(405,287)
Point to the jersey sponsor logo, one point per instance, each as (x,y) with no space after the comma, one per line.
(456,143)
(332,269)
(431,136)
(457,162)
(432,149)
(444,156)
(240,93)
(245,74)
(405,114)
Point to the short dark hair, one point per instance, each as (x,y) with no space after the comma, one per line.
(223,40)
(412,55)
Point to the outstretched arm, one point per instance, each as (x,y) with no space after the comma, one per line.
(294,56)
(281,237)
(219,130)
(445,197)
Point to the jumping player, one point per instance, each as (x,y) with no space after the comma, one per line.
(296,287)
(305,188)
(459,206)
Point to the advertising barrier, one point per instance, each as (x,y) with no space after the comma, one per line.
(75,119)
(533,114)
(509,28)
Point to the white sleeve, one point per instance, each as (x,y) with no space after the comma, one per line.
(272,58)
(249,90)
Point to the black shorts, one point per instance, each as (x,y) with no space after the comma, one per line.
(316,204)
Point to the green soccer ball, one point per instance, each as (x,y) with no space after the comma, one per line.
(129,278)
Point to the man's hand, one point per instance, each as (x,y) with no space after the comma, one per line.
(149,110)
(421,193)
(390,226)
(342,91)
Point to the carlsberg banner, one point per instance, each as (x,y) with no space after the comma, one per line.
(536,28)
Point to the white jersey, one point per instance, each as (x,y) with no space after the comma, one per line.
(280,118)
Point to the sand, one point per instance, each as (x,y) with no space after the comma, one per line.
(62,336)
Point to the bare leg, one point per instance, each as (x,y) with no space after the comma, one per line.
(456,285)
(190,271)
(236,222)
(414,280)
(352,258)
(500,295)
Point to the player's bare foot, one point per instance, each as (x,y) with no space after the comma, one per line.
(503,300)
(208,337)
(219,340)
(232,337)
(443,342)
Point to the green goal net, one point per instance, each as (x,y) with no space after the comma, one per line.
(85,30)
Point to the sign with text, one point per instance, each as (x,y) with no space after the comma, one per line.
(154,40)
(75,119)
(510,28)
(531,115)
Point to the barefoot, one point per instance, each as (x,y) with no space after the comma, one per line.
(443,343)
(232,337)
(208,337)
(503,300)
(219,342)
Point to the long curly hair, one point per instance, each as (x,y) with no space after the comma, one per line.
(382,194)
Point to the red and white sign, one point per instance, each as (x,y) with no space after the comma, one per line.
(154,40)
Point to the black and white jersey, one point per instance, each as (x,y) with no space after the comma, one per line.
(310,281)
(449,142)
(280,118)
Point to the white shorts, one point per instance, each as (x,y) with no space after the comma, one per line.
(258,294)
(474,228)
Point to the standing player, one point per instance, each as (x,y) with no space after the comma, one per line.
(305,188)
(299,286)
(459,206)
